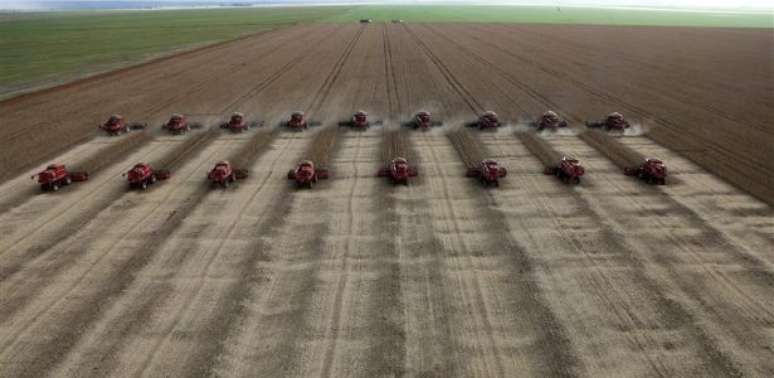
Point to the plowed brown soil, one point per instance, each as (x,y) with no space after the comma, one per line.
(438,278)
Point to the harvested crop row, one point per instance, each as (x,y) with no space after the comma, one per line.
(396,144)
(621,155)
(322,147)
(468,147)
(186,149)
(248,152)
(540,148)
(114,153)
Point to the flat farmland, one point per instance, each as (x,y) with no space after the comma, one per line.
(443,277)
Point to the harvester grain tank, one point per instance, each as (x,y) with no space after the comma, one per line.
(398,170)
(306,174)
(143,175)
(488,171)
(652,171)
(224,174)
(56,176)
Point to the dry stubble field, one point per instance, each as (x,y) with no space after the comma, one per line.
(440,278)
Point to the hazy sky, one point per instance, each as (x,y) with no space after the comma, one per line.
(738,4)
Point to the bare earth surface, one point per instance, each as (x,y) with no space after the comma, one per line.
(442,277)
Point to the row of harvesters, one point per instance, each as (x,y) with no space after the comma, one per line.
(176,125)
(569,171)
(305,174)
(179,124)
(551,121)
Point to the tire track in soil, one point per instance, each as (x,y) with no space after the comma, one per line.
(429,347)
(553,342)
(212,355)
(319,151)
(685,259)
(321,147)
(322,93)
(277,75)
(654,337)
(200,361)
(59,341)
(516,82)
(207,356)
(386,355)
(393,96)
(352,252)
(290,266)
(455,84)
(555,356)
(345,270)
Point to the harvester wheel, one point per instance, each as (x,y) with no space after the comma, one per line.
(152,180)
(55,187)
(68,180)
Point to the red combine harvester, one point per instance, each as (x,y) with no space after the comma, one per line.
(488,171)
(568,170)
(613,122)
(238,124)
(117,125)
(178,124)
(142,175)
(422,121)
(487,120)
(224,174)
(306,175)
(56,176)
(398,170)
(549,121)
(360,121)
(652,171)
(298,122)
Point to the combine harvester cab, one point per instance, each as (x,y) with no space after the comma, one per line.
(224,174)
(306,174)
(423,121)
(237,123)
(612,122)
(117,125)
(568,170)
(360,121)
(652,171)
(488,120)
(549,121)
(489,172)
(299,122)
(178,124)
(56,176)
(399,171)
(142,175)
